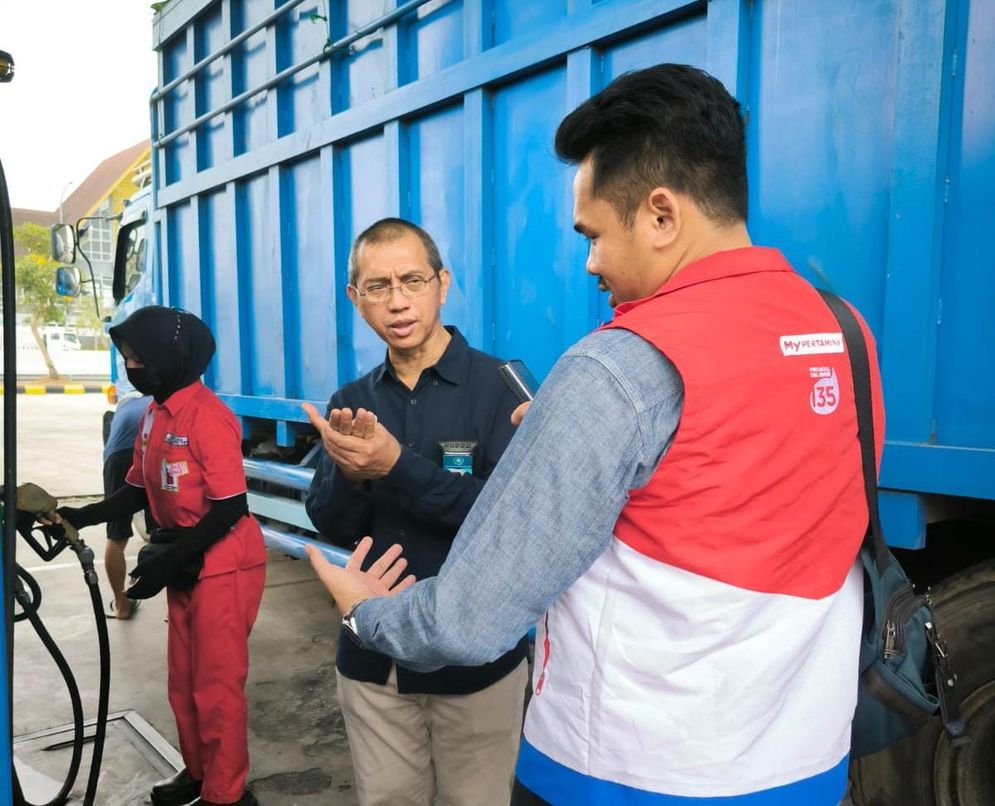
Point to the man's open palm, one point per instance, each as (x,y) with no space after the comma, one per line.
(351,584)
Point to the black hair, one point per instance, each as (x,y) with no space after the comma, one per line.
(671,125)
(391,229)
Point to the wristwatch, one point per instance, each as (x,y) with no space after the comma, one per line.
(349,624)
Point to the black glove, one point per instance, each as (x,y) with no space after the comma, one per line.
(163,562)
(165,535)
(75,515)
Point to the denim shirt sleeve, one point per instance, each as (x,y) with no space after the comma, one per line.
(338,509)
(597,429)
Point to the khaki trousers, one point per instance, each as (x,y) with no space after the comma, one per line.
(408,749)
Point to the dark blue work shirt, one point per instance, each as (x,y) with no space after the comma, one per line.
(419,503)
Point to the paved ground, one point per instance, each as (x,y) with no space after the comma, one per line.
(298,747)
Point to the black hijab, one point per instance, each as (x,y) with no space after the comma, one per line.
(175,347)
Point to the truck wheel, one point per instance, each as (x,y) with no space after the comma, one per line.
(923,770)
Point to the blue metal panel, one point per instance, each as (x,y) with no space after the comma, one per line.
(584,306)
(362,73)
(183,253)
(270,408)
(213,87)
(530,205)
(939,469)
(903,516)
(261,281)
(820,141)
(492,66)
(363,168)
(301,100)
(206,310)
(432,40)
(908,334)
(684,41)
(177,108)
(729,26)
(478,242)
(965,352)
(434,186)
(221,306)
(513,18)
(250,65)
(181,256)
(309,284)
(853,126)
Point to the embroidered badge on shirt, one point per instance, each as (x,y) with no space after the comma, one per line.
(457,456)
(825,394)
(171,472)
(173,439)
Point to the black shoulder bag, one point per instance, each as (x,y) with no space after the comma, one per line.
(905,676)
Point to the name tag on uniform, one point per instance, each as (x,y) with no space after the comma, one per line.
(173,439)
(171,472)
(457,456)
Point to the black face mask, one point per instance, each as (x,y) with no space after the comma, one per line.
(142,379)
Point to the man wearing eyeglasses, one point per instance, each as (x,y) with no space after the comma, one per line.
(408,448)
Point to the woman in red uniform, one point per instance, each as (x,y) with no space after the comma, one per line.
(208,551)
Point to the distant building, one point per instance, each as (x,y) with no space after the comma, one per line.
(98,199)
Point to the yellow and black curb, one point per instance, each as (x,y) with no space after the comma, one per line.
(29,388)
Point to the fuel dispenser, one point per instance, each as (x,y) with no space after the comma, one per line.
(22,507)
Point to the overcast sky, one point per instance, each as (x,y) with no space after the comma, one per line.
(84,70)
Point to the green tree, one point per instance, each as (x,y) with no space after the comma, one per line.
(34,276)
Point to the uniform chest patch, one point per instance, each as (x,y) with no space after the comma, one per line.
(175,439)
(812,344)
(825,394)
(457,456)
(171,473)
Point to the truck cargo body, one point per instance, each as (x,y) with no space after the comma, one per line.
(281,130)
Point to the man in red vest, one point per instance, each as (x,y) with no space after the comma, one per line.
(682,508)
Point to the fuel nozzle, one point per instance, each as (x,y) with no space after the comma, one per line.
(33,502)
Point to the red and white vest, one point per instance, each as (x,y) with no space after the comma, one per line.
(712,649)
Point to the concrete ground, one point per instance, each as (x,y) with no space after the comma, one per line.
(298,747)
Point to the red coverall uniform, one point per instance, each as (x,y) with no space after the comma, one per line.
(187,454)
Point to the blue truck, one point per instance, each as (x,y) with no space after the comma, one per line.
(282,129)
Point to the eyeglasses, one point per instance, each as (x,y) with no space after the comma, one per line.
(409,287)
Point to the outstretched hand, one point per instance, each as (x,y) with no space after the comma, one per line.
(361,447)
(351,585)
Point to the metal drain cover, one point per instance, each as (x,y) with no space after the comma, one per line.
(135,756)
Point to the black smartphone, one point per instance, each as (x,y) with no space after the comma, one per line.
(521,382)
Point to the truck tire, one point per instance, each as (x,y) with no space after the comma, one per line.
(923,770)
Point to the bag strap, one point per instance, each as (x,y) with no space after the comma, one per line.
(856,348)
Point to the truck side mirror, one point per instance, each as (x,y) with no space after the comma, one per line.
(63,243)
(6,67)
(67,281)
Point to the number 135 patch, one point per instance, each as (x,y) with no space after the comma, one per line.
(825,395)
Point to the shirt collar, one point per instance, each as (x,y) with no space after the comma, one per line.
(450,366)
(180,398)
(747,260)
